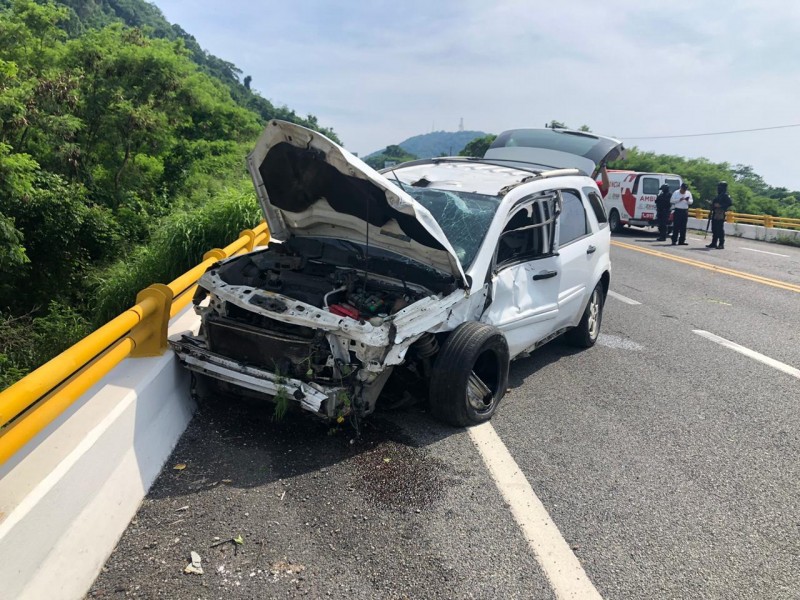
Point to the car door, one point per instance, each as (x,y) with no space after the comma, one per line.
(526,276)
(577,256)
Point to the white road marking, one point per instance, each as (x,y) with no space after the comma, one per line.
(559,563)
(622,298)
(765,252)
(775,364)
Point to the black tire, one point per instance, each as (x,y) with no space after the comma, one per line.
(614,222)
(586,333)
(473,359)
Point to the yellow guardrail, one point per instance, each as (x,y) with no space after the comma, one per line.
(762,220)
(36,400)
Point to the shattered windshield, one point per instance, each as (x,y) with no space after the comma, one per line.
(463,216)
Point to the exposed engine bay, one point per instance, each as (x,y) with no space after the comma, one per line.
(319,321)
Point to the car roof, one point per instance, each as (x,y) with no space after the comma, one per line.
(480,176)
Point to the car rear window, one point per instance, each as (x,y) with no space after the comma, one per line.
(572,218)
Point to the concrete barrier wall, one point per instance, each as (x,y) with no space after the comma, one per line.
(68,496)
(750,232)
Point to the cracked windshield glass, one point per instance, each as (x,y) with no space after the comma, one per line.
(463,216)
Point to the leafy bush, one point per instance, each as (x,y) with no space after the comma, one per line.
(176,245)
(29,342)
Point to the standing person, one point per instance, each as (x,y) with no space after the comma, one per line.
(719,206)
(662,212)
(680,201)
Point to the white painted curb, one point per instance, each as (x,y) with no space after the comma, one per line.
(68,496)
(750,232)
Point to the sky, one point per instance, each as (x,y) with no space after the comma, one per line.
(380,72)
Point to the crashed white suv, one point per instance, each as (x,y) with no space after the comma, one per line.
(434,274)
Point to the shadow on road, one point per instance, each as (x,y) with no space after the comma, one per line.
(230,442)
(523,368)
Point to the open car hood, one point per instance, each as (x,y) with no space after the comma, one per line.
(308,186)
(555,149)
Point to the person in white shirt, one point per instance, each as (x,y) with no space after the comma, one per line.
(680,202)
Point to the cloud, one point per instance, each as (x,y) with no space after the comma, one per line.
(380,72)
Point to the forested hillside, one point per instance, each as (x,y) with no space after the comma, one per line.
(121,161)
(430,145)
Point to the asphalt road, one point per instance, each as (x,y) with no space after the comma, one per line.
(670,465)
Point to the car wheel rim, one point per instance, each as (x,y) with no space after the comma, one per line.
(482,383)
(594,315)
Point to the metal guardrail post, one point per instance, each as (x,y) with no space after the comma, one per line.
(217,253)
(151,333)
(768,221)
(251,239)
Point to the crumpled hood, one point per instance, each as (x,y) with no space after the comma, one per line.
(309,186)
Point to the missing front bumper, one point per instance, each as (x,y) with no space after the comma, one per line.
(313,397)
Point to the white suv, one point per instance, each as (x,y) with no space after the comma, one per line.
(434,274)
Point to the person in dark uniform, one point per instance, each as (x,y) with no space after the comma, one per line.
(719,206)
(662,212)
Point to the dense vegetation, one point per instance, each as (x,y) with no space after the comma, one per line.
(121,161)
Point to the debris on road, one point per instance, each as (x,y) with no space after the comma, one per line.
(179,467)
(195,566)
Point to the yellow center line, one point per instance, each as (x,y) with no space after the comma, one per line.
(709,267)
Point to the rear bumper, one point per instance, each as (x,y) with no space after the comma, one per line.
(313,397)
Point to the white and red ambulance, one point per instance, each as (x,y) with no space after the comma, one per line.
(631,197)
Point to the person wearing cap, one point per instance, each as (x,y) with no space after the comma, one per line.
(681,201)
(719,206)
(662,212)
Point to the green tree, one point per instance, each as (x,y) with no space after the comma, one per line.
(393,153)
(478,146)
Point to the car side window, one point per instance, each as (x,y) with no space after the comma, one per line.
(597,205)
(650,185)
(572,219)
(528,234)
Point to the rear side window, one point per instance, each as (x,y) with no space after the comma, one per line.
(572,218)
(528,233)
(597,205)
(649,185)
(673,184)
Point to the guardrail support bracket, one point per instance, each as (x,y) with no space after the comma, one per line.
(151,333)
(215,253)
(251,239)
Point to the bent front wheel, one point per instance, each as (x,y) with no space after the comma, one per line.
(470,375)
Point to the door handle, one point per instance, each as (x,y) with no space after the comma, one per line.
(545,275)
(590,249)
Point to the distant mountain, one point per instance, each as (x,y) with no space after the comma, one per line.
(436,143)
